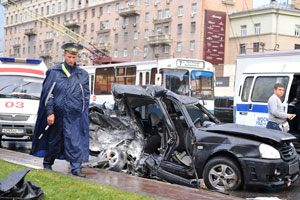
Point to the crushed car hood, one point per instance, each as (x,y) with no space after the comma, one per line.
(250,131)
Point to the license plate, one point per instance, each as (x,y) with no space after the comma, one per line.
(294,168)
(12,131)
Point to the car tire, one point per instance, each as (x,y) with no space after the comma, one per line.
(117,159)
(222,173)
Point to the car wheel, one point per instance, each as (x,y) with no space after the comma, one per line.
(222,173)
(117,159)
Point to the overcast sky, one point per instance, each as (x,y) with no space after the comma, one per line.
(257,3)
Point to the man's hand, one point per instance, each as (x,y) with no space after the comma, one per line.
(289,116)
(50,119)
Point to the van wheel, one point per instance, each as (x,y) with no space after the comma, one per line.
(222,173)
(116,159)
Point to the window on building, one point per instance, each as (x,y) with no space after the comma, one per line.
(193,27)
(126,21)
(101,39)
(117,22)
(137,2)
(297,46)
(78,15)
(192,45)
(11,19)
(48,10)
(85,14)
(167,13)
(146,33)
(166,49)
(53,8)
(116,53)
(71,16)
(179,46)
(158,30)
(92,27)
(256,47)
(117,7)
(166,29)
(107,24)
(59,7)
(145,51)
(257,28)
(116,37)
(42,11)
(16,18)
(109,9)
(136,19)
(147,2)
(147,17)
(125,52)
(297,30)
(136,35)
(93,12)
(125,36)
(85,28)
(180,11)
(179,29)
(100,11)
(242,48)
(194,7)
(243,30)
(159,14)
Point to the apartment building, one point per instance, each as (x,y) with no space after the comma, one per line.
(267,28)
(134,29)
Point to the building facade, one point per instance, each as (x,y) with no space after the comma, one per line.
(267,28)
(136,29)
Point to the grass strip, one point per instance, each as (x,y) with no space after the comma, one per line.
(56,186)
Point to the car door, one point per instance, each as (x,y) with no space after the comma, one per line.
(252,108)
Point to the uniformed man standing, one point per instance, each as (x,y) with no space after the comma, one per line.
(64,109)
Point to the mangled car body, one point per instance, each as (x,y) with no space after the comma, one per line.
(155,133)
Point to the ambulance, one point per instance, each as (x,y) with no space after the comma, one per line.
(21,83)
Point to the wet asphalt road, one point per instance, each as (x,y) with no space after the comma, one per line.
(291,193)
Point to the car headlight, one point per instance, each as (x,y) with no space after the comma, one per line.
(268,152)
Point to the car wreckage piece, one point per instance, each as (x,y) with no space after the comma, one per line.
(155,133)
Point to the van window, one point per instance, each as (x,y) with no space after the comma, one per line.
(246,88)
(263,87)
(104,80)
(126,75)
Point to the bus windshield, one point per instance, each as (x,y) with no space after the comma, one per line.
(202,85)
(20,87)
(176,80)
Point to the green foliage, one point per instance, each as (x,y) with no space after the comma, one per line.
(56,186)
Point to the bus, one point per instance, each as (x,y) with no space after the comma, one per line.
(191,77)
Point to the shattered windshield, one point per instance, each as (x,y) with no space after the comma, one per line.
(20,87)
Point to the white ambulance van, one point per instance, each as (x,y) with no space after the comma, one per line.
(20,89)
(256,75)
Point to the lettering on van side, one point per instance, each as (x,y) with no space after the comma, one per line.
(262,121)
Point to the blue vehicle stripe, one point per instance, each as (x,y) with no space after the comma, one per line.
(255,108)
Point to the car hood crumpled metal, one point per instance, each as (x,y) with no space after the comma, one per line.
(250,131)
(150,91)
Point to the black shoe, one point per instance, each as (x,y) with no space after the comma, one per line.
(79,173)
(49,167)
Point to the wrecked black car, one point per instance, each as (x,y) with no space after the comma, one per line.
(155,133)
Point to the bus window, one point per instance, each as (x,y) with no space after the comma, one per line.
(176,80)
(153,73)
(202,85)
(147,78)
(126,75)
(263,87)
(141,78)
(104,80)
(246,88)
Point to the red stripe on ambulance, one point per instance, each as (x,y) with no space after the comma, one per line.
(21,70)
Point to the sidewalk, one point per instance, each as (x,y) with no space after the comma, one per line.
(148,187)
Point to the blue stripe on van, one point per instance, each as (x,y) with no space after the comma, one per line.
(255,108)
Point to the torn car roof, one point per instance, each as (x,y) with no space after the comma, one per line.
(150,91)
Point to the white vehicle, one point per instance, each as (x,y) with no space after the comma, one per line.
(256,76)
(20,88)
(190,77)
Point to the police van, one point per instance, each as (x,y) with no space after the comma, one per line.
(20,89)
(256,76)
